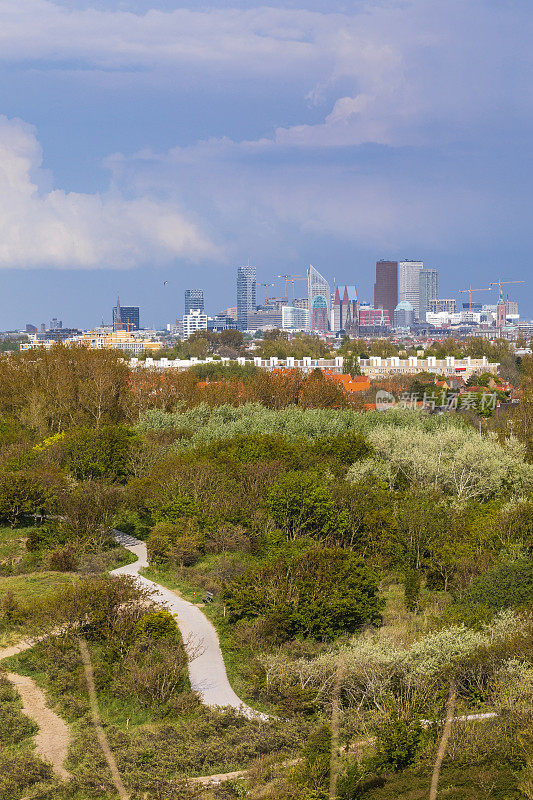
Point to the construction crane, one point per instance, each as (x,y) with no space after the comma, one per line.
(266,285)
(469,290)
(499,283)
(291,279)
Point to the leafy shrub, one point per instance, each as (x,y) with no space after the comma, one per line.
(11,611)
(179,543)
(349,783)
(302,505)
(317,592)
(98,452)
(316,757)
(177,509)
(155,668)
(19,771)
(131,523)
(398,742)
(505,586)
(157,625)
(64,560)
(44,537)
(346,447)
(14,725)
(247,448)
(23,494)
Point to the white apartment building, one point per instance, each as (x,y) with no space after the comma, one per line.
(374,367)
(195,321)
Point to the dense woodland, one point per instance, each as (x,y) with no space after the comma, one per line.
(370,571)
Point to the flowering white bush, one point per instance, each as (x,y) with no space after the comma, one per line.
(374,667)
(458,461)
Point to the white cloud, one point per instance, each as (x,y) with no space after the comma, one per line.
(262,199)
(392,71)
(39,29)
(53,228)
(407,74)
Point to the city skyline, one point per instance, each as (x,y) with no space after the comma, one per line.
(213,307)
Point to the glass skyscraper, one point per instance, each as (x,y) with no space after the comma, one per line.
(194,300)
(246,300)
(125,318)
(429,290)
(409,283)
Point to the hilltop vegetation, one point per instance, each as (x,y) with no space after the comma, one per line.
(363,563)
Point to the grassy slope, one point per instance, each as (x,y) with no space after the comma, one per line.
(35,584)
(472,782)
(12,543)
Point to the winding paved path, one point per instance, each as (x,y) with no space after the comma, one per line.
(207,671)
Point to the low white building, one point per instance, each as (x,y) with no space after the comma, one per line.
(294,319)
(374,367)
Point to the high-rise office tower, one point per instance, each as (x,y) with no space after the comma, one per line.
(125,318)
(345,309)
(428,290)
(409,283)
(319,296)
(194,300)
(386,286)
(336,312)
(246,302)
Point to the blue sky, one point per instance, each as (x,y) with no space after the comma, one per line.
(145,140)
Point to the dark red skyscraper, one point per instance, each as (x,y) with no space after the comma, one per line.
(386,286)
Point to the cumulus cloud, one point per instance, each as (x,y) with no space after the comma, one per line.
(402,75)
(53,228)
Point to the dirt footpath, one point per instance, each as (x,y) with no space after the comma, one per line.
(52,739)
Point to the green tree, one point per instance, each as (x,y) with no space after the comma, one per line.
(104,452)
(383,347)
(179,543)
(23,494)
(346,447)
(301,505)
(231,338)
(318,592)
(398,741)
(351,365)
